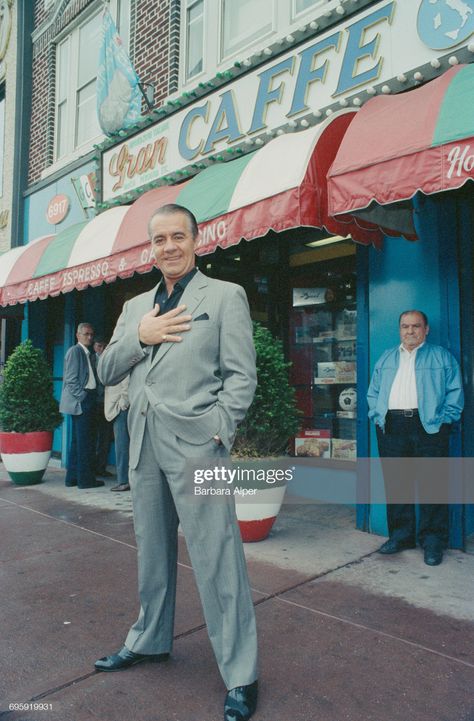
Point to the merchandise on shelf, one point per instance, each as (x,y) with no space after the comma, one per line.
(313,443)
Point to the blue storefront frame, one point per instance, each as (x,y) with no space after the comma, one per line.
(425,274)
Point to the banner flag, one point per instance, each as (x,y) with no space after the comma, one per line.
(119,97)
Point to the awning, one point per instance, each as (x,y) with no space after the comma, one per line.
(280,186)
(421,140)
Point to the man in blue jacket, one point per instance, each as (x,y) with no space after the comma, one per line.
(414,396)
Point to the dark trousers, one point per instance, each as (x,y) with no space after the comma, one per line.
(81,459)
(122,445)
(405,438)
(104,437)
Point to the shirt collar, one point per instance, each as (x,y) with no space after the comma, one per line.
(411,352)
(84,347)
(180,284)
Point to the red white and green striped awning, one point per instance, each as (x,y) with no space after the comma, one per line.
(397,145)
(280,186)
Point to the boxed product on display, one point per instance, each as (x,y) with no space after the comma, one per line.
(346,414)
(345,350)
(344,449)
(346,324)
(313,443)
(336,372)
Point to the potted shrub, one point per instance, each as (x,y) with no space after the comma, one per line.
(28,415)
(271,421)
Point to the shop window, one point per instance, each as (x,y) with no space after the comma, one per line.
(2,135)
(76,67)
(194,38)
(243,22)
(323,321)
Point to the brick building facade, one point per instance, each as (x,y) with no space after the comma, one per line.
(153,32)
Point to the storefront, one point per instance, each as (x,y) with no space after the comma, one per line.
(249,154)
(55,212)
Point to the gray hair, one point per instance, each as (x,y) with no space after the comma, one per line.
(84,325)
(171,209)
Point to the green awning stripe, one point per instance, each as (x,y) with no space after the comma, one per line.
(456,115)
(208,194)
(57,254)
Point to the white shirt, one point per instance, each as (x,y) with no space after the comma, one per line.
(91,384)
(403,393)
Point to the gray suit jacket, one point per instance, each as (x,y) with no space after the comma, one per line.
(200,387)
(75,377)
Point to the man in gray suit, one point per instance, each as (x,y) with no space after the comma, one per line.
(187,345)
(78,399)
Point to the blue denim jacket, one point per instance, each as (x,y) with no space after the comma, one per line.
(438,386)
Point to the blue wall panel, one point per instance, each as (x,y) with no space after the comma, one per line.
(36,204)
(423,275)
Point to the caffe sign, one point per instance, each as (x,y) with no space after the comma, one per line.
(378,45)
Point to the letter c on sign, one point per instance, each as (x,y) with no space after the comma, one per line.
(187,152)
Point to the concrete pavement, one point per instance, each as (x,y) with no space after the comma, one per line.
(345,634)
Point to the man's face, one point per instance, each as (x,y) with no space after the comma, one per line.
(85,335)
(173,245)
(99,347)
(413,330)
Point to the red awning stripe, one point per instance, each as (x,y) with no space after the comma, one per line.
(392,149)
(288,192)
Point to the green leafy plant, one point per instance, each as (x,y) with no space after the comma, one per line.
(26,394)
(273,416)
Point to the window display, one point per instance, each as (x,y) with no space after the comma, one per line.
(323,355)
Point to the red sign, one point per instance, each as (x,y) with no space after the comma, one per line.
(58,208)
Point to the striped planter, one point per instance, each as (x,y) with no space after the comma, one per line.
(26,455)
(257,514)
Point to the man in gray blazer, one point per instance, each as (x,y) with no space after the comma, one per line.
(187,345)
(78,399)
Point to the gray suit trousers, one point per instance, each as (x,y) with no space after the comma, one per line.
(161,499)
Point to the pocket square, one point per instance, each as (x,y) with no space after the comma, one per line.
(204,316)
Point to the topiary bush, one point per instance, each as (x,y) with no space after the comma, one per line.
(273,416)
(26,395)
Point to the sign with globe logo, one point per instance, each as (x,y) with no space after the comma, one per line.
(445,23)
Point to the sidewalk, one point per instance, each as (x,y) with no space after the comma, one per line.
(345,634)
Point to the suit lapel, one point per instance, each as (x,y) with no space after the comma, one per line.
(193,295)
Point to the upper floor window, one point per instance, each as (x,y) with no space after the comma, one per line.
(302,5)
(77,60)
(244,21)
(215,33)
(194,38)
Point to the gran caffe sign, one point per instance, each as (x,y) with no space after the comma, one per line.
(385,43)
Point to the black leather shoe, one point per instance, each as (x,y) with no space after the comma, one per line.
(93,484)
(125,658)
(241,702)
(433,555)
(394,546)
